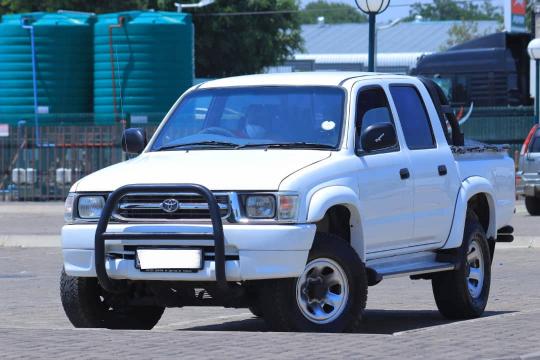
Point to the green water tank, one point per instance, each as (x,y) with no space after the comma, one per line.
(63,52)
(143,61)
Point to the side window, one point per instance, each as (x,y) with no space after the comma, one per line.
(413,117)
(371,108)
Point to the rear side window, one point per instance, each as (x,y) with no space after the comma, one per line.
(413,117)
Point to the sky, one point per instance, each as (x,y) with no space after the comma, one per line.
(396,9)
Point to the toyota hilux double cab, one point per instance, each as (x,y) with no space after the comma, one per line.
(288,194)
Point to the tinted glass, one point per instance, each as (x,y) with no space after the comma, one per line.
(413,117)
(460,89)
(256,115)
(371,108)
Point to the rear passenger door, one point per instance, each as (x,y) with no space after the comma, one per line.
(433,171)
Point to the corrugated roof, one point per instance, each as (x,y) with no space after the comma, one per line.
(421,36)
(383,59)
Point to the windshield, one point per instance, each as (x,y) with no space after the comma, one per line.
(293,117)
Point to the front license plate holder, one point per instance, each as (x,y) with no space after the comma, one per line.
(169,260)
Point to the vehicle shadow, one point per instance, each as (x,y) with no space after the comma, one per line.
(375,322)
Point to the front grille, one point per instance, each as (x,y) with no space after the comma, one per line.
(181,207)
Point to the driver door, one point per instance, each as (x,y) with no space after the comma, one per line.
(385,190)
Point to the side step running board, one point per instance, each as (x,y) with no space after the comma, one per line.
(379,270)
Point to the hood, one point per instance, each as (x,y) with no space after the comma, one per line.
(254,169)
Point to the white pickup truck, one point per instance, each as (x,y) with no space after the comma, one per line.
(288,194)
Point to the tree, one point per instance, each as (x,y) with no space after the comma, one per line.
(231,37)
(334,13)
(96,6)
(459,33)
(452,10)
(228,45)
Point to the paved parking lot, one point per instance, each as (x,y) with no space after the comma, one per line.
(401,321)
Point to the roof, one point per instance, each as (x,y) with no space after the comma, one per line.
(331,78)
(405,37)
(386,59)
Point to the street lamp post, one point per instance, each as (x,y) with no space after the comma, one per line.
(372,8)
(534,52)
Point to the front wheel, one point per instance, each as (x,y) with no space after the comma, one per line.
(87,305)
(329,296)
(463,293)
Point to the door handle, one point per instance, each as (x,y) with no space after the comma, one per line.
(404,173)
(442,170)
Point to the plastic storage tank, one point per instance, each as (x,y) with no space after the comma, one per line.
(143,61)
(63,54)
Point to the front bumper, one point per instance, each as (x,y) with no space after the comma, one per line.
(252,252)
(528,184)
(529,190)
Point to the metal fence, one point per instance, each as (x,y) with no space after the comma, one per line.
(43,165)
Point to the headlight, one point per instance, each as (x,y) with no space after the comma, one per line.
(261,206)
(68,208)
(90,207)
(288,207)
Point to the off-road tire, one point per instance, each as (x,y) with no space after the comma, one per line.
(256,310)
(278,297)
(450,288)
(533,205)
(85,305)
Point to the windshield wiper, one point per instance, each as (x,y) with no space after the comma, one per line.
(291,145)
(211,143)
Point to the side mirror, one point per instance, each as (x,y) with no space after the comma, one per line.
(378,136)
(134,140)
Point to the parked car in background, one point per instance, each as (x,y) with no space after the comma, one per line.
(528,174)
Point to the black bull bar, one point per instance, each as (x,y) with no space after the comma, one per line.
(102,235)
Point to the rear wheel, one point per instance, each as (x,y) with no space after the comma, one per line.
(87,305)
(463,293)
(533,205)
(256,310)
(329,296)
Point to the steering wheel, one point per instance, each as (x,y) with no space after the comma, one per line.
(218,131)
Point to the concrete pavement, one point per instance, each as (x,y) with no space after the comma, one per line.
(30,224)
(401,321)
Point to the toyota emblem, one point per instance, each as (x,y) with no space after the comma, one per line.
(170,205)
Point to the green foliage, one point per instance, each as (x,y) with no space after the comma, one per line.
(244,44)
(97,6)
(452,10)
(334,13)
(459,33)
(225,44)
